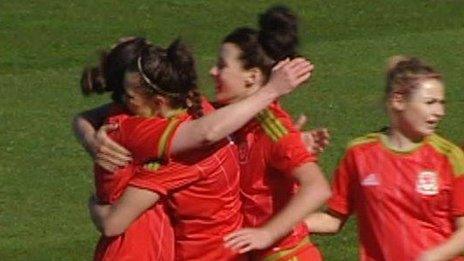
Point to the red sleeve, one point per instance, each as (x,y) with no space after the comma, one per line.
(341,200)
(290,152)
(167,178)
(456,158)
(457,197)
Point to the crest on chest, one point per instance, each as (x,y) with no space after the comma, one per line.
(427,183)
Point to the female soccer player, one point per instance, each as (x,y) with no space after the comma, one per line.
(151,237)
(405,183)
(141,137)
(280,180)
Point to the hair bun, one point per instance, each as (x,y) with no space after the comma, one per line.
(178,53)
(395,60)
(92,81)
(279,32)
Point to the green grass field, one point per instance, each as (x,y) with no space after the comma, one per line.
(45,176)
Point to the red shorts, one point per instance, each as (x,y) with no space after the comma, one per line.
(304,251)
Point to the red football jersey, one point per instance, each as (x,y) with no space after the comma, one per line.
(203,196)
(269,149)
(150,237)
(405,202)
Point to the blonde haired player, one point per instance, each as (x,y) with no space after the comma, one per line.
(405,184)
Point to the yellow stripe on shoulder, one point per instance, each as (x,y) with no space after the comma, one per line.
(452,151)
(163,143)
(368,138)
(271,125)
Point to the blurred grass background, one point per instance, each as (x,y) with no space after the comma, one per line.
(45,176)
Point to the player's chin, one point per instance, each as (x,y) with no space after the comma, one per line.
(427,131)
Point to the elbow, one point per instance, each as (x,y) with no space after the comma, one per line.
(111,232)
(111,229)
(324,190)
(211,136)
(326,193)
(320,190)
(75,122)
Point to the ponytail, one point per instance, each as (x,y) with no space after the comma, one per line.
(92,81)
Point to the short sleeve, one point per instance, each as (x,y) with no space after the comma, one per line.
(457,198)
(290,152)
(341,200)
(166,179)
(456,159)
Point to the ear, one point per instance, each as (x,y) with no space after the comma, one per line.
(159,100)
(398,101)
(253,78)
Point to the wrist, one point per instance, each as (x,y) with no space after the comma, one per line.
(270,91)
(271,233)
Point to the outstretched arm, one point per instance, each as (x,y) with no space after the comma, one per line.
(213,127)
(113,220)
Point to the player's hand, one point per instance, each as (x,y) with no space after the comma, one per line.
(316,140)
(247,239)
(287,75)
(106,152)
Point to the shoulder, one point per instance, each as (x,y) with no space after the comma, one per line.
(364,141)
(140,125)
(275,122)
(454,154)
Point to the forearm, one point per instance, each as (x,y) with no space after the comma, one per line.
(85,125)
(222,122)
(309,198)
(323,223)
(98,213)
(113,220)
(452,247)
(84,132)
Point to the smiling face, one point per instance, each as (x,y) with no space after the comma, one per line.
(232,80)
(420,113)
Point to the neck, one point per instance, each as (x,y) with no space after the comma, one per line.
(167,111)
(399,139)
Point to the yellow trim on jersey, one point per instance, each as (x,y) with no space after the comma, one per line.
(283,253)
(387,144)
(271,125)
(173,123)
(452,152)
(152,166)
(368,138)
(383,140)
(163,142)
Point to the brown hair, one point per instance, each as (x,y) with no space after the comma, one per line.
(109,75)
(276,39)
(404,73)
(171,73)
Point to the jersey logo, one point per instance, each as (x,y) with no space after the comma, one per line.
(427,183)
(371,180)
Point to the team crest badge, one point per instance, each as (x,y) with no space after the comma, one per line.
(427,183)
